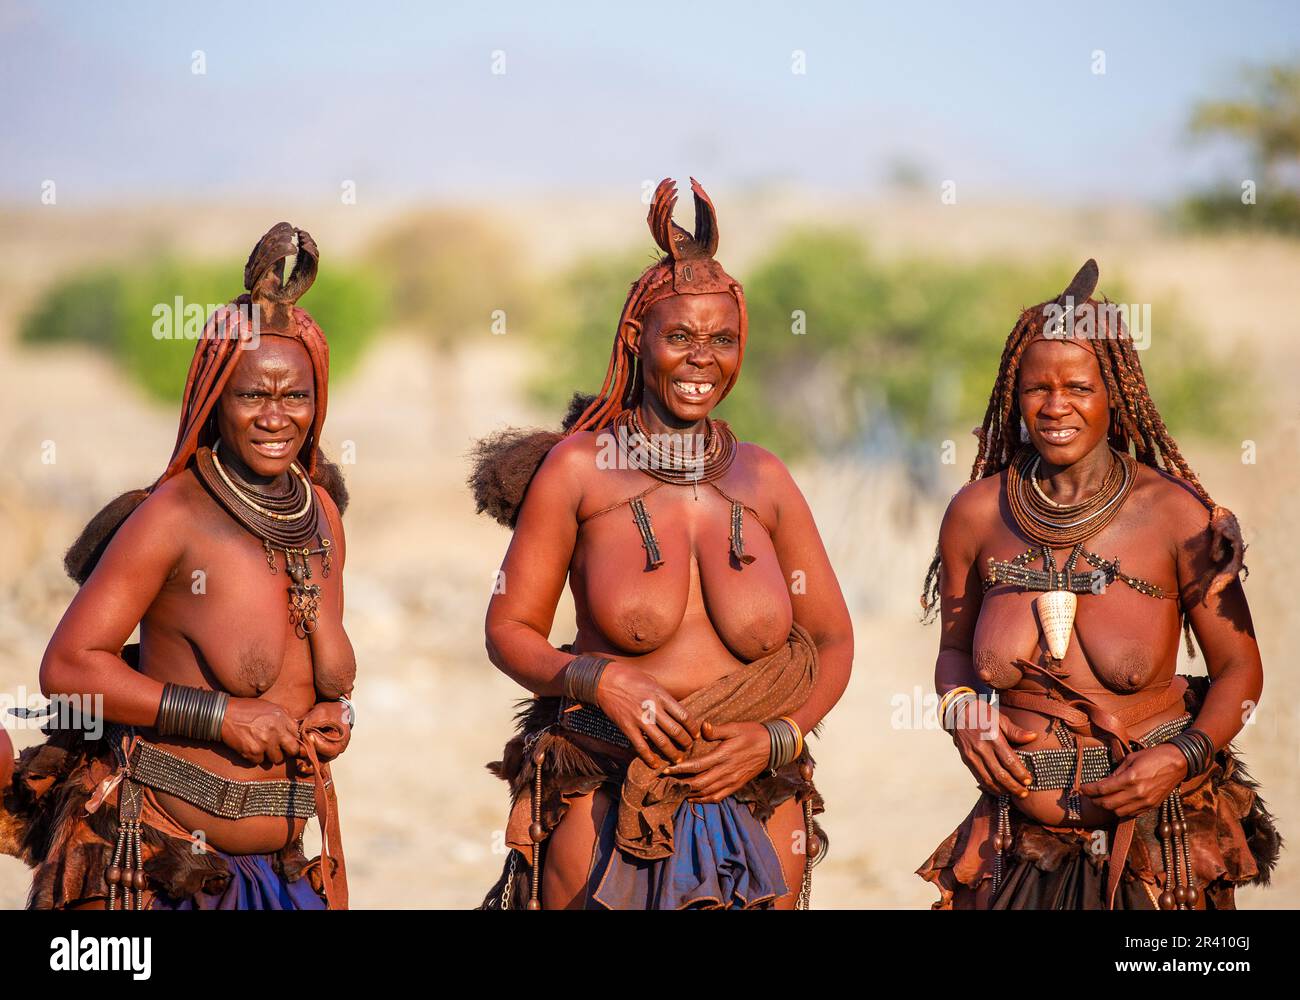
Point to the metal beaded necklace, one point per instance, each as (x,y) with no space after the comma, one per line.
(678,466)
(1054,525)
(287,522)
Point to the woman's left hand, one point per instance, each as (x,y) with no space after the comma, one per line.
(332,717)
(740,752)
(1141,782)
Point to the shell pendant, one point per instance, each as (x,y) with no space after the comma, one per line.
(1056,616)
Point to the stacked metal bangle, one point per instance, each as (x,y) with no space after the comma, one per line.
(1197,747)
(948,703)
(582,677)
(786,742)
(192,712)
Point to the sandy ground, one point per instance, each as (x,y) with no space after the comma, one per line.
(422,818)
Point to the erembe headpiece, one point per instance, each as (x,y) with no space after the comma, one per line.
(687,268)
(268,308)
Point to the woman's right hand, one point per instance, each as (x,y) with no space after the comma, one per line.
(260,731)
(984,741)
(651,718)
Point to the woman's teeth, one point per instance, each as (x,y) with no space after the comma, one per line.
(694,388)
(274,447)
(1060,437)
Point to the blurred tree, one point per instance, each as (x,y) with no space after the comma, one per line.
(130,313)
(1266,119)
(448,272)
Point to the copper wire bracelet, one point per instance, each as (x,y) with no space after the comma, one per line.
(582,677)
(192,712)
(784,741)
(1197,747)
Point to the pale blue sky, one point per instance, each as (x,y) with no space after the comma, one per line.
(1000,97)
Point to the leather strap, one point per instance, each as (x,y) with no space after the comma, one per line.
(334,874)
(1086,718)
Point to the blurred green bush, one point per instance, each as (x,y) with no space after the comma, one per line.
(1263,119)
(117,309)
(895,356)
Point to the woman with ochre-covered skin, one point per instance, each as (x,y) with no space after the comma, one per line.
(662,762)
(1066,569)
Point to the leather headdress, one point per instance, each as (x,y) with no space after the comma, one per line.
(687,268)
(1077,317)
(266,309)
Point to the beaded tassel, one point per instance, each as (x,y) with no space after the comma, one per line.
(126,872)
(642,518)
(812,844)
(1180,891)
(535,832)
(1001,840)
(738,535)
(1073,798)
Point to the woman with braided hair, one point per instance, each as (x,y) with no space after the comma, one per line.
(207,744)
(1107,780)
(661,763)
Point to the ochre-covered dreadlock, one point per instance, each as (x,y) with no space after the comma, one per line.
(1135,422)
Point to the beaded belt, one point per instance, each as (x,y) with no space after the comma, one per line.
(165,772)
(1054,769)
(589,720)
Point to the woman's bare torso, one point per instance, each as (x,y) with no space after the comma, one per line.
(1124,646)
(698,616)
(222,622)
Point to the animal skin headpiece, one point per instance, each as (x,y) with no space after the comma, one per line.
(687,268)
(1074,317)
(266,309)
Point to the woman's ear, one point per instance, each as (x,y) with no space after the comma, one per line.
(630,331)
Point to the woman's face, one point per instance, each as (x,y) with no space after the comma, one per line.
(689,346)
(267,407)
(1063,400)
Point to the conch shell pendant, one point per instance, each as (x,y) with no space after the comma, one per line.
(1056,615)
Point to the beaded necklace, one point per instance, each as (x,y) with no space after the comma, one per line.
(285,521)
(676,462)
(679,466)
(1049,523)
(1054,525)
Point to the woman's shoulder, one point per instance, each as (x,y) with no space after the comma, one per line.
(977,501)
(1172,500)
(760,459)
(176,498)
(1170,505)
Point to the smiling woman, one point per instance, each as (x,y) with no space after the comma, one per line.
(1125,789)
(217,753)
(661,763)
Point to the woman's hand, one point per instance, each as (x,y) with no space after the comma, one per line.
(984,739)
(330,716)
(260,731)
(1141,782)
(741,752)
(645,713)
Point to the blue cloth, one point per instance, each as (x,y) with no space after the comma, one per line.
(722,859)
(253,885)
